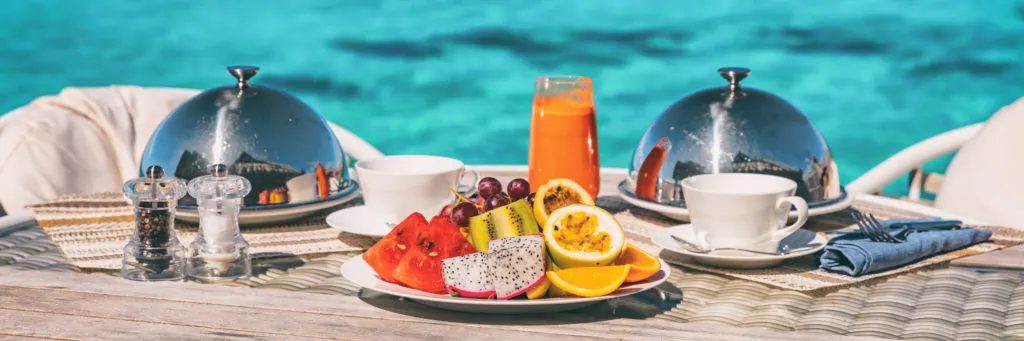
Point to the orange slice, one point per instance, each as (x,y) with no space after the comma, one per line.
(641,264)
(555,291)
(589,281)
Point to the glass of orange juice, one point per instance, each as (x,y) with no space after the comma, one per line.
(563,133)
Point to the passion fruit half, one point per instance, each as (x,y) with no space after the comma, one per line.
(555,194)
(583,235)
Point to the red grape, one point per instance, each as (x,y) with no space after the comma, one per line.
(496,201)
(488,186)
(446,211)
(518,189)
(462,212)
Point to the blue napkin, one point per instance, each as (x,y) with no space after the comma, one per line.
(855,254)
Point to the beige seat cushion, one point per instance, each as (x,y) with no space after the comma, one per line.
(83,140)
(985,180)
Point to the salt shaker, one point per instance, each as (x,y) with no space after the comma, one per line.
(153,253)
(219,251)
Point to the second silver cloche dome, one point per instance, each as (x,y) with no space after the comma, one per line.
(732,129)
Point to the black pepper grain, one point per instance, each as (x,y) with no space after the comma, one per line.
(153,226)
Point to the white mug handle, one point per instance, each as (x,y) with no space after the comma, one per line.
(801,210)
(472,188)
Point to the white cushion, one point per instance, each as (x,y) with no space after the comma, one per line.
(985,180)
(83,140)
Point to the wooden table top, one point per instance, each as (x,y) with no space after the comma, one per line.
(76,306)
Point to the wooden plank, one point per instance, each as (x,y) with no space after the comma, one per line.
(231,319)
(11,337)
(325,316)
(1011,258)
(72,327)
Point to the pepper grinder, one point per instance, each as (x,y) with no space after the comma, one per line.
(153,253)
(219,251)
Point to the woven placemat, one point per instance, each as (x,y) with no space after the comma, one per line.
(92,230)
(801,274)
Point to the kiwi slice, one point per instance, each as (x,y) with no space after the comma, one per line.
(514,219)
(482,230)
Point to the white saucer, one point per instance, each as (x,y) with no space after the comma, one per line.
(801,243)
(360,273)
(276,215)
(682,214)
(358,220)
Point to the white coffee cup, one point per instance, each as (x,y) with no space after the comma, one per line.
(396,186)
(740,210)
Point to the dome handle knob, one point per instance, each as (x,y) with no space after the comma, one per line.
(243,73)
(155,172)
(734,75)
(219,170)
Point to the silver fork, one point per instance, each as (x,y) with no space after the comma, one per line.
(874,229)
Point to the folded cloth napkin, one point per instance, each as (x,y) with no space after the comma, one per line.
(855,254)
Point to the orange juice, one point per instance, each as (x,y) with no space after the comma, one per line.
(563,134)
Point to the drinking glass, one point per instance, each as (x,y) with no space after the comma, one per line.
(563,133)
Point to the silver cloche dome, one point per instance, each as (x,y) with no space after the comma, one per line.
(732,129)
(284,148)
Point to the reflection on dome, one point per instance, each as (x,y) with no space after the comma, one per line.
(281,183)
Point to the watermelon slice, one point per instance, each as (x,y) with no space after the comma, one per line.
(387,253)
(420,267)
(451,240)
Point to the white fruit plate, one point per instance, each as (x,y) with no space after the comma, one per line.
(360,273)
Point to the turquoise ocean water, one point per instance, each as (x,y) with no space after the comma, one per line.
(455,78)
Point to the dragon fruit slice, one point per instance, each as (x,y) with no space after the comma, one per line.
(516,264)
(468,276)
(503,243)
